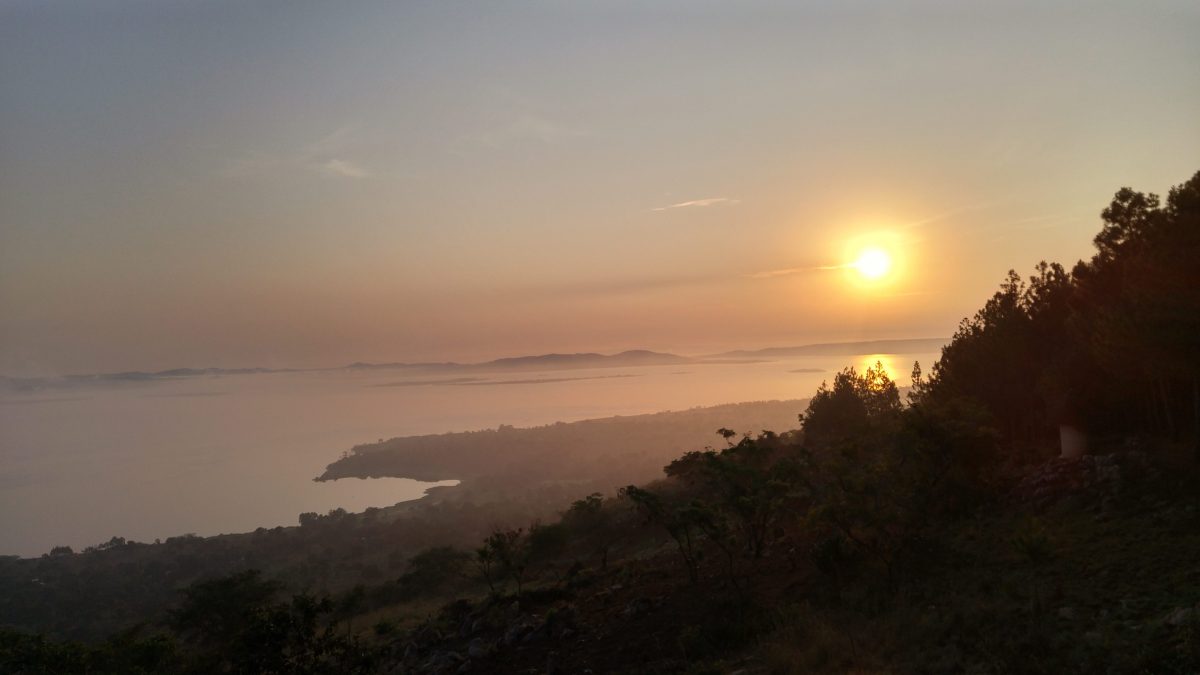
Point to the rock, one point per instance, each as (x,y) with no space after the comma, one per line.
(1067,613)
(1102,475)
(1180,616)
(514,633)
(478,649)
(536,635)
(560,620)
(442,661)
(513,611)
(636,607)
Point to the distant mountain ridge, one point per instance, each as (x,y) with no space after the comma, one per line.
(902,346)
(552,361)
(633,357)
(27,384)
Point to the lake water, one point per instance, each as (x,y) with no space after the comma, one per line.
(231,453)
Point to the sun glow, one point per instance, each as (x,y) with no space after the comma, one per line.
(873,263)
(887,361)
(874,260)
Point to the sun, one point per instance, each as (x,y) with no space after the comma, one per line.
(873,263)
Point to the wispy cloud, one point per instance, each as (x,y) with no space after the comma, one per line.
(789,271)
(700,203)
(619,286)
(954,213)
(785,272)
(341,167)
(539,128)
(327,155)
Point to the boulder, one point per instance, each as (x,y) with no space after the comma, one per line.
(637,607)
(515,632)
(1180,616)
(478,649)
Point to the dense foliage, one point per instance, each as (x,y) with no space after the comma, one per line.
(1110,346)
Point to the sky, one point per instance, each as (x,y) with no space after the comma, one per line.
(291,183)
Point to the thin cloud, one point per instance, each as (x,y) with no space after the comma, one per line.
(788,271)
(953,213)
(326,155)
(344,168)
(771,274)
(332,143)
(709,201)
(541,129)
(626,286)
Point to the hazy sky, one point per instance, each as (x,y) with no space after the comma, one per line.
(298,183)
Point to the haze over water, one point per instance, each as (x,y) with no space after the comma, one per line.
(231,453)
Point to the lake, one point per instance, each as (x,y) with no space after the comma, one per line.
(230,453)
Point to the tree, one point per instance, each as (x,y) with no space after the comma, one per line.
(509,552)
(748,484)
(1109,347)
(678,521)
(433,569)
(878,471)
(236,626)
(1146,300)
(486,563)
(854,403)
(594,522)
(215,611)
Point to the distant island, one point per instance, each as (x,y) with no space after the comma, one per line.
(540,362)
(634,357)
(906,346)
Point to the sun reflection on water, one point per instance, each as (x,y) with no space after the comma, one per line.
(888,361)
